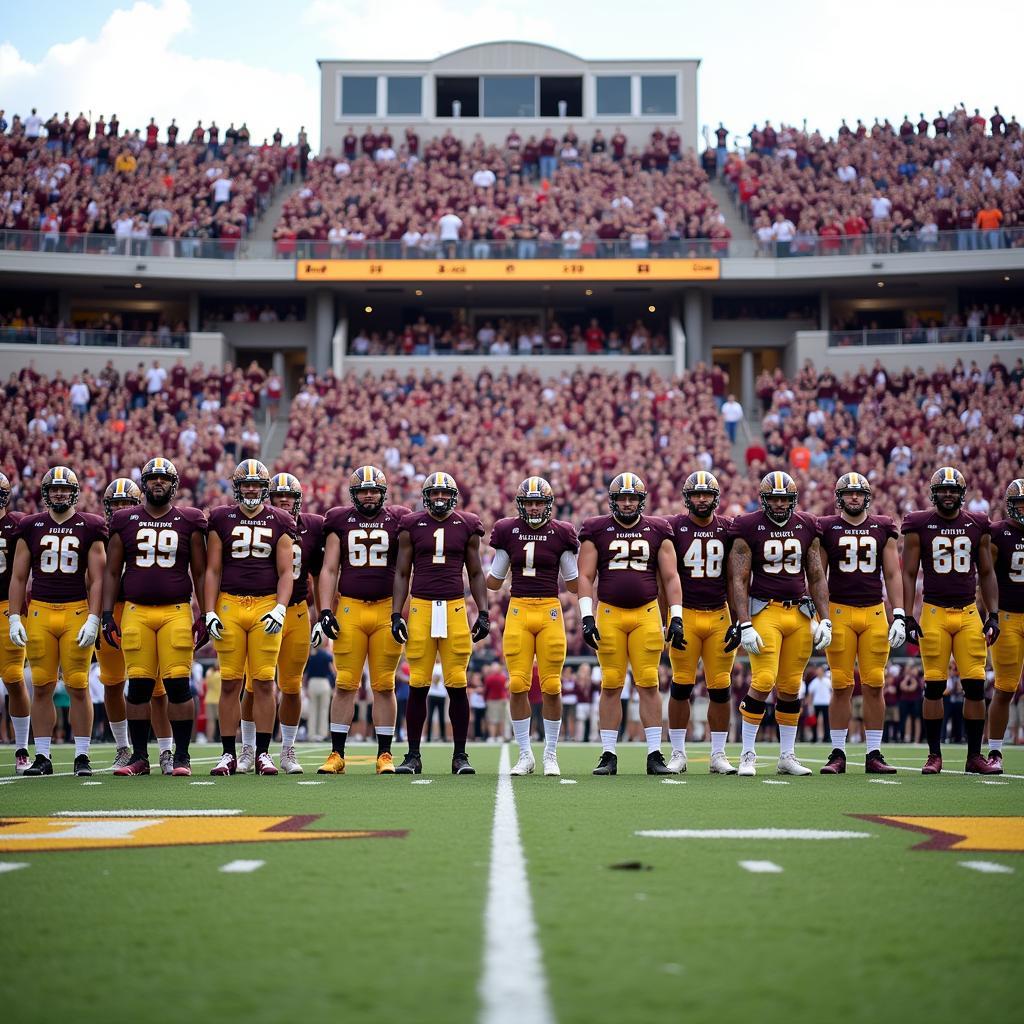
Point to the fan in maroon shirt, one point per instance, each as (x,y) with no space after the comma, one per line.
(434,547)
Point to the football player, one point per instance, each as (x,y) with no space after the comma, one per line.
(701,539)
(857,550)
(360,552)
(156,559)
(953,550)
(774,562)
(286,493)
(248,584)
(1007,537)
(12,657)
(63,550)
(433,547)
(538,549)
(629,555)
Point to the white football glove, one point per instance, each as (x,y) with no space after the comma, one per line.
(274,619)
(821,633)
(898,629)
(88,633)
(316,637)
(750,639)
(214,626)
(17,632)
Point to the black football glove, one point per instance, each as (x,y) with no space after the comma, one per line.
(329,624)
(674,633)
(200,634)
(399,630)
(112,632)
(992,628)
(481,628)
(732,638)
(591,637)
(914,630)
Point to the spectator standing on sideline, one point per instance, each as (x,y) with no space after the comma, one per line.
(211,697)
(732,413)
(496,696)
(820,691)
(319,683)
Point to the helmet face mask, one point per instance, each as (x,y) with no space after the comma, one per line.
(65,483)
(701,494)
(627,495)
(5,491)
(948,489)
(1015,501)
(120,493)
(159,482)
(535,501)
(251,481)
(440,495)
(286,494)
(778,493)
(364,482)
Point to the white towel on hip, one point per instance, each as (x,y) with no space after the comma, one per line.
(439,619)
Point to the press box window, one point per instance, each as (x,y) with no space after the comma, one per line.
(613,94)
(562,89)
(658,95)
(510,96)
(465,92)
(405,96)
(359,96)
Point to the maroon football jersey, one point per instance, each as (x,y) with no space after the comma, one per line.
(308,554)
(60,553)
(249,562)
(157,553)
(1008,550)
(855,558)
(627,558)
(778,553)
(949,555)
(701,552)
(439,553)
(8,541)
(534,553)
(369,550)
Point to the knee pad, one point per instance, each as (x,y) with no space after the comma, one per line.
(751,707)
(140,690)
(552,685)
(681,691)
(519,684)
(789,706)
(974,689)
(178,690)
(934,689)
(719,695)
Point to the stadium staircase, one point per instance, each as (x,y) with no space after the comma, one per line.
(733,221)
(264,230)
(274,433)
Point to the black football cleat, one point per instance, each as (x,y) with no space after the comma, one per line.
(836,763)
(42,765)
(412,764)
(461,765)
(656,764)
(608,765)
(875,764)
(82,766)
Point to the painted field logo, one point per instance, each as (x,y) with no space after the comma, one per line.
(136,830)
(960,834)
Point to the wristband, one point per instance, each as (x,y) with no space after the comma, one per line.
(586,607)
(898,613)
(675,611)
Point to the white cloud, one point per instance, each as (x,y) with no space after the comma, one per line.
(416,29)
(133,68)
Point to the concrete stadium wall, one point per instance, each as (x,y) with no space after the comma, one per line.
(546,366)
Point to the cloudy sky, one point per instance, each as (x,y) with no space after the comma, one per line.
(255,61)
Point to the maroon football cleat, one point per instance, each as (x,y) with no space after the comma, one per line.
(836,764)
(978,764)
(227,765)
(136,766)
(875,764)
(995,758)
(933,765)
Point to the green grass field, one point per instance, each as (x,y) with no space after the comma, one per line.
(395,926)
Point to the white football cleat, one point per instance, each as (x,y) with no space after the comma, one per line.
(265,765)
(748,763)
(677,762)
(246,760)
(551,768)
(789,765)
(721,765)
(123,757)
(289,762)
(166,762)
(525,764)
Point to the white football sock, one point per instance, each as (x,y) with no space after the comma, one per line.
(551,731)
(81,745)
(787,739)
(608,738)
(21,731)
(380,730)
(288,735)
(838,737)
(749,736)
(43,745)
(120,731)
(164,743)
(992,744)
(335,727)
(521,731)
(718,742)
(249,733)
(653,734)
(677,737)
(873,738)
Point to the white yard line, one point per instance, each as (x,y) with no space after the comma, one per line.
(750,833)
(760,867)
(987,867)
(513,987)
(7,865)
(242,867)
